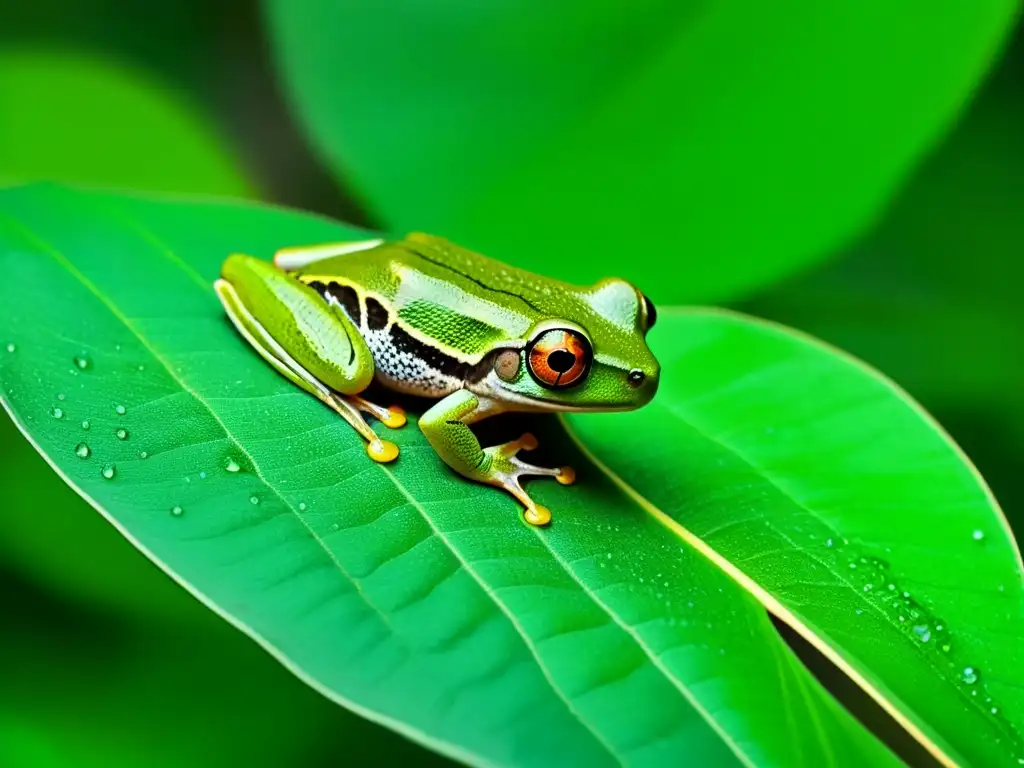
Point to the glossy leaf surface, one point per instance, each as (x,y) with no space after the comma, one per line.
(402,591)
(700,149)
(847,510)
(84,119)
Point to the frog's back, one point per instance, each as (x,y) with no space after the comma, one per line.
(431,311)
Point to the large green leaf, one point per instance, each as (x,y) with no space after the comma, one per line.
(402,591)
(734,141)
(837,501)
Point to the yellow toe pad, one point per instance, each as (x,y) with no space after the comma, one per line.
(382,451)
(538,515)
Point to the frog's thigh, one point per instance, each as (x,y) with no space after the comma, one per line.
(316,335)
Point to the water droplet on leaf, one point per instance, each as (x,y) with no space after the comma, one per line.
(108,471)
(120,410)
(143,454)
(302,506)
(56,412)
(11,347)
(970,675)
(82,362)
(231,465)
(978,535)
(82,451)
(122,434)
(254,499)
(86,424)
(177,511)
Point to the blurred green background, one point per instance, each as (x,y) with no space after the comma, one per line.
(103,661)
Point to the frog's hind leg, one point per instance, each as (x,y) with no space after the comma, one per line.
(290,259)
(270,350)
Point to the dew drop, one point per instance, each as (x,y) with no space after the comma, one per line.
(970,675)
(122,434)
(868,587)
(231,465)
(82,451)
(108,471)
(10,346)
(994,710)
(143,454)
(61,396)
(82,362)
(860,611)
(177,511)
(254,499)
(202,475)
(828,543)
(120,410)
(978,535)
(56,412)
(86,424)
(302,506)
(945,647)
(141,367)
(923,633)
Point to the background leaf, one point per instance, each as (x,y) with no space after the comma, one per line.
(931,296)
(817,481)
(82,118)
(417,598)
(699,149)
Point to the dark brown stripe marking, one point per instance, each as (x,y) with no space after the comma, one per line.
(376,315)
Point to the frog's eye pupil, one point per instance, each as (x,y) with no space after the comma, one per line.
(559,358)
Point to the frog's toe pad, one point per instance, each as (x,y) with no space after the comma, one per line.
(537,515)
(382,451)
(395,417)
(566,476)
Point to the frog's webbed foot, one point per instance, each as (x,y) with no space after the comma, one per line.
(502,467)
(444,425)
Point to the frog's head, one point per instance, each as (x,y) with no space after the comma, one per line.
(588,353)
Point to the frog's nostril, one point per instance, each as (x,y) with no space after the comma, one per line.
(636,378)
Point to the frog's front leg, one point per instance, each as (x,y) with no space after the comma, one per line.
(308,341)
(446,426)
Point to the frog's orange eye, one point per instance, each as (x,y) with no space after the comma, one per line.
(559,358)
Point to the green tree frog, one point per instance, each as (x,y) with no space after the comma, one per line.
(425,317)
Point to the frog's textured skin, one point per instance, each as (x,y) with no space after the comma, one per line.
(426,317)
